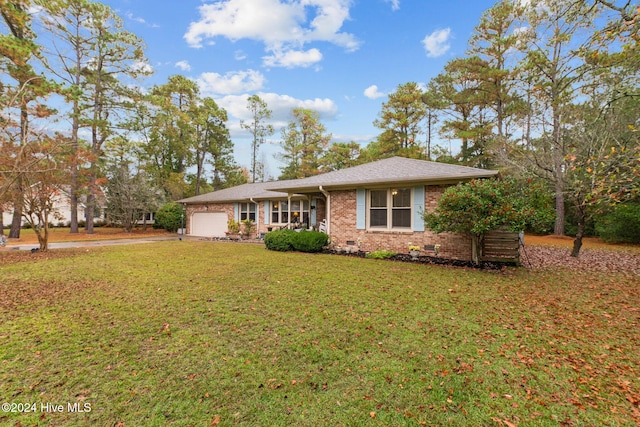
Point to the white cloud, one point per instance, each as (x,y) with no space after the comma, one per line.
(134,18)
(293,58)
(139,20)
(230,83)
(372,92)
(280,105)
(282,26)
(142,67)
(183,65)
(395,4)
(437,43)
(239,55)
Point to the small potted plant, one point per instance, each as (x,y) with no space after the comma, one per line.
(414,251)
(233,229)
(248,227)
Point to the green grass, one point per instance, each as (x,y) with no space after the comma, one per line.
(201,333)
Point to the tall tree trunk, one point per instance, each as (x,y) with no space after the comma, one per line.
(16,221)
(18,203)
(73,193)
(199,170)
(558,172)
(89,211)
(577,243)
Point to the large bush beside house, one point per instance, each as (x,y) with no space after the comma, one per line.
(621,225)
(169,217)
(309,241)
(479,206)
(290,240)
(279,240)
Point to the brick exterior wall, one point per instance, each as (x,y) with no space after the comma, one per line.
(343,229)
(210,207)
(229,208)
(343,226)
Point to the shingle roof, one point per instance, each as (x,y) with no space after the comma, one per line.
(393,170)
(244,192)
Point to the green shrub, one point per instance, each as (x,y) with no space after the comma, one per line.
(233,226)
(621,225)
(169,217)
(279,240)
(381,254)
(309,241)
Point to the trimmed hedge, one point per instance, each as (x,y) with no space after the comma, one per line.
(279,240)
(309,241)
(290,240)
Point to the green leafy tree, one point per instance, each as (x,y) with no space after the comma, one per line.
(554,66)
(69,24)
(169,217)
(116,55)
(171,132)
(401,118)
(460,91)
(479,206)
(340,155)
(603,163)
(303,143)
(258,128)
(211,139)
(493,41)
(22,92)
(621,224)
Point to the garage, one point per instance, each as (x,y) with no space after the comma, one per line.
(209,224)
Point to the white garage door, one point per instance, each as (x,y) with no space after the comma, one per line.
(209,224)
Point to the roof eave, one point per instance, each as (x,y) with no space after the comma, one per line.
(385,182)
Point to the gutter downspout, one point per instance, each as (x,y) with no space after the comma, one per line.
(328,197)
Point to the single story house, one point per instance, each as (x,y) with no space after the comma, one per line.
(372,206)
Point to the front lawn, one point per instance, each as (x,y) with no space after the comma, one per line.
(188,333)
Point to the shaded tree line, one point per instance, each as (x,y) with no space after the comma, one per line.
(74,116)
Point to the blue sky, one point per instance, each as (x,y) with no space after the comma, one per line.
(338,57)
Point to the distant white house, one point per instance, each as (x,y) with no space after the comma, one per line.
(61,216)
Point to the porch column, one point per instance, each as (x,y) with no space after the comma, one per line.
(289,210)
(328,208)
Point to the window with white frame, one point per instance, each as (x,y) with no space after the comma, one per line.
(390,209)
(248,211)
(299,212)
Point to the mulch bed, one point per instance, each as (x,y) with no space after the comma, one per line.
(539,258)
